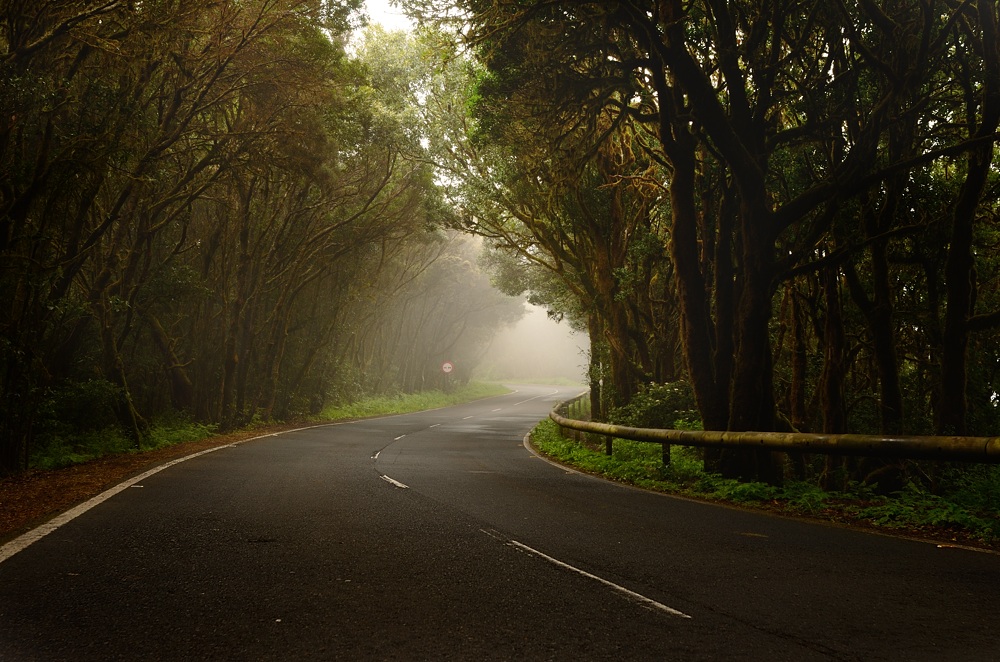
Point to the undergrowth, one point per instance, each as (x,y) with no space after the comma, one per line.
(968,506)
(59,447)
(58,451)
(411,402)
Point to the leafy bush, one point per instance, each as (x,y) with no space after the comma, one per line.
(177,430)
(77,422)
(56,451)
(805,497)
(976,487)
(80,406)
(914,507)
(666,406)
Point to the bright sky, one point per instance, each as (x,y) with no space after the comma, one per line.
(391,18)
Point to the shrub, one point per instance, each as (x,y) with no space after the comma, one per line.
(666,406)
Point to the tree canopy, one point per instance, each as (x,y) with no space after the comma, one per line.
(221,208)
(791,205)
(216,208)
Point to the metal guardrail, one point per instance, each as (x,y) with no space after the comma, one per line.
(963,449)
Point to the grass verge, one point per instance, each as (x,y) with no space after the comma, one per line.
(59,452)
(967,516)
(65,451)
(407,403)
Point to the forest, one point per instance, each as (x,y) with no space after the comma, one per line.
(216,211)
(229,210)
(789,207)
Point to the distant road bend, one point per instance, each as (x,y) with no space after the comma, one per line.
(439,535)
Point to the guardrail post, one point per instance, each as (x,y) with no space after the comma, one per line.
(666,455)
(607,445)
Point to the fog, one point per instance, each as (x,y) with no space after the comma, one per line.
(387,15)
(536,349)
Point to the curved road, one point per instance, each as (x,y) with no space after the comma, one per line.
(439,535)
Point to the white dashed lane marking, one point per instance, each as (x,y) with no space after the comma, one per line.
(394,483)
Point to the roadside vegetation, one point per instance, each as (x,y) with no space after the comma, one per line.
(963,503)
(58,450)
(943,500)
(689,182)
(243,212)
(405,403)
(228,218)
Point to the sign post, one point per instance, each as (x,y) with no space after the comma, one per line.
(447,367)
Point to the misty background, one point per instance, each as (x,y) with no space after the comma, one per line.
(536,348)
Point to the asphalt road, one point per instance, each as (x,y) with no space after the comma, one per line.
(438,535)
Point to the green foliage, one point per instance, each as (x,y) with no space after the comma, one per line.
(69,447)
(805,497)
(79,406)
(914,507)
(270,242)
(727,489)
(406,403)
(976,488)
(969,503)
(56,451)
(176,429)
(664,406)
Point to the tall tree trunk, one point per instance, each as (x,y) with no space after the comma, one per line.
(799,417)
(960,265)
(595,373)
(131,420)
(697,329)
(834,368)
(623,374)
(800,364)
(833,376)
(19,410)
(752,405)
(232,349)
(878,312)
(884,343)
(181,388)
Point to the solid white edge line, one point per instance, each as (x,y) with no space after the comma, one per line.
(396,483)
(545,395)
(526,443)
(638,597)
(24,540)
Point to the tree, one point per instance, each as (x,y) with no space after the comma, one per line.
(772,123)
(216,192)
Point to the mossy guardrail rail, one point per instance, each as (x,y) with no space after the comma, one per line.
(963,449)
